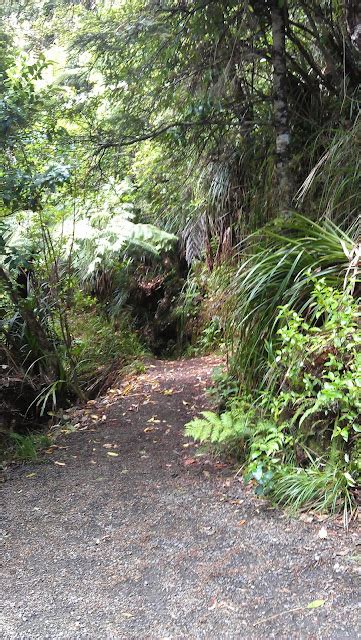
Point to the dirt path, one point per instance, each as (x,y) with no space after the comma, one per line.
(150,544)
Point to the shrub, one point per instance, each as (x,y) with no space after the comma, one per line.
(300,439)
(316,375)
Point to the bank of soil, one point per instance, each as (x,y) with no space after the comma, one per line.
(125,532)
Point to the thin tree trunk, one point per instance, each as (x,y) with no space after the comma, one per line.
(279,18)
(353,21)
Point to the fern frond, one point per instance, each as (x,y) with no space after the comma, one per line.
(217,429)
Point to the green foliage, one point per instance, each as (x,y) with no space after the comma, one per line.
(224,387)
(332,186)
(211,337)
(319,367)
(99,342)
(300,441)
(328,489)
(227,429)
(27,447)
(99,241)
(199,311)
(275,269)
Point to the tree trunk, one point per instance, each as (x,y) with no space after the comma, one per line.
(353,21)
(279,18)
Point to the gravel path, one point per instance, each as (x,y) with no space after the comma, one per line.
(153,543)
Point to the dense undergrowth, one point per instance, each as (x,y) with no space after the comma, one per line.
(298,436)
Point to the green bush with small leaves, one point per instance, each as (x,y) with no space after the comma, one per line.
(317,373)
(300,440)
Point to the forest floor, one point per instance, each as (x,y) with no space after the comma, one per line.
(124,532)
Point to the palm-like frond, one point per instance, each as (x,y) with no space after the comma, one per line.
(275,270)
(333,184)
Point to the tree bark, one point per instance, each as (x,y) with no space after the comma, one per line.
(353,21)
(279,21)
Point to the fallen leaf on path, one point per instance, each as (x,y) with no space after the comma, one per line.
(31,475)
(110,445)
(60,464)
(94,416)
(189,461)
(222,604)
(168,392)
(127,389)
(206,474)
(241,522)
(315,604)
(149,429)
(153,419)
(306,517)
(321,517)
(126,614)
(113,454)
(185,403)
(323,533)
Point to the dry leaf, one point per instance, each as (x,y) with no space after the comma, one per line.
(113,454)
(60,464)
(323,533)
(31,475)
(306,517)
(189,461)
(241,522)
